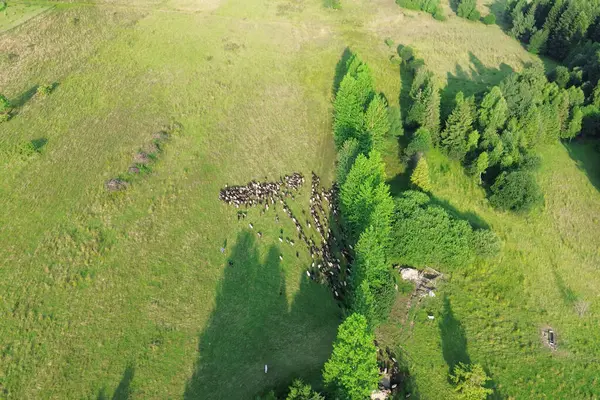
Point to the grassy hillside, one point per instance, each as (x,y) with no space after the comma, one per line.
(129,294)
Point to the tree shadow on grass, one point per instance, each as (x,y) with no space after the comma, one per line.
(498,9)
(474,81)
(25,96)
(341,69)
(123,391)
(475,220)
(251,327)
(568,295)
(586,153)
(454,340)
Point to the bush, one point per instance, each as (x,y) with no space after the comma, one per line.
(474,16)
(407,53)
(470,381)
(333,4)
(429,6)
(516,191)
(389,42)
(439,14)
(489,19)
(425,234)
(3,6)
(44,90)
(303,391)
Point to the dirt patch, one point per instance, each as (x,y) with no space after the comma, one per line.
(115,185)
(141,158)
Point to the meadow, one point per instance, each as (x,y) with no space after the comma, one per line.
(127,294)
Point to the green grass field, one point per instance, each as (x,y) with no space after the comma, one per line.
(127,295)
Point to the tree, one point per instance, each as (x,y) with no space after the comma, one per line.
(362,191)
(489,19)
(493,110)
(575,124)
(516,191)
(420,175)
(537,43)
(425,109)
(459,128)
(470,382)
(351,372)
(303,391)
(372,279)
(377,122)
(481,164)
(561,76)
(348,111)
(420,143)
(345,159)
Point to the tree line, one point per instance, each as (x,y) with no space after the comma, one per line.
(495,135)
(569,32)
(383,230)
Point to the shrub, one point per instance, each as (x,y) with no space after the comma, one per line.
(303,391)
(439,14)
(474,16)
(467,9)
(333,4)
(407,53)
(429,6)
(351,372)
(489,19)
(470,382)
(44,90)
(389,42)
(516,191)
(427,235)
(3,6)
(5,108)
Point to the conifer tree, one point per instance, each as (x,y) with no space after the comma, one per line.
(351,372)
(377,122)
(459,128)
(420,175)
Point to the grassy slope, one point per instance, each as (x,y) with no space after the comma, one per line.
(117,293)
